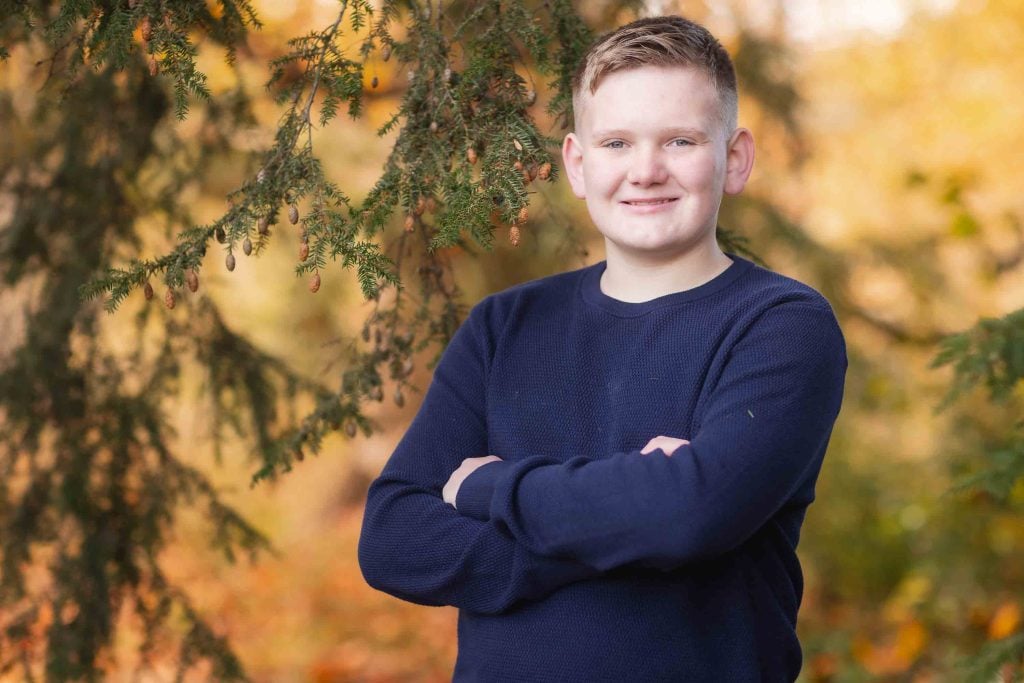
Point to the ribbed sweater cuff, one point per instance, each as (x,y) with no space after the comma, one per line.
(476,491)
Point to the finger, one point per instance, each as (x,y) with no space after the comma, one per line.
(651,445)
(654,445)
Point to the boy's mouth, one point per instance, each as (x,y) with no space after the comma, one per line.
(649,205)
(648,202)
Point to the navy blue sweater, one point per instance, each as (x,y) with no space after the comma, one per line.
(578,558)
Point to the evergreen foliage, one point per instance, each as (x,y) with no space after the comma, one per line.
(990,663)
(91,485)
(990,354)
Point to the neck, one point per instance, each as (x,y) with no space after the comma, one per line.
(634,279)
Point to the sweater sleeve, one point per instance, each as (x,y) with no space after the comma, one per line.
(763,432)
(418,548)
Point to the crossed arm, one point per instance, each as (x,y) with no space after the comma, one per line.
(758,446)
(450,491)
(524,529)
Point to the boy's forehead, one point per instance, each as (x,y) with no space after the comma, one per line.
(671,95)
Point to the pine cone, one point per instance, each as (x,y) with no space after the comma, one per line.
(293,214)
(192,280)
(154,68)
(523,215)
(147,291)
(385,53)
(303,251)
(513,235)
(169,298)
(263,226)
(219,234)
(544,172)
(147,29)
(229,262)
(410,223)
(314,283)
(247,246)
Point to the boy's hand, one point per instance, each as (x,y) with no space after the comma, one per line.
(468,466)
(665,443)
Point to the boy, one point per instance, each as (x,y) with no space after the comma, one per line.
(611,466)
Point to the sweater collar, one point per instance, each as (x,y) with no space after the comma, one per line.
(590,288)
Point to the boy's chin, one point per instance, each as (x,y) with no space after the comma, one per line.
(672,242)
(659,253)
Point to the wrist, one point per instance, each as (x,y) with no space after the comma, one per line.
(473,498)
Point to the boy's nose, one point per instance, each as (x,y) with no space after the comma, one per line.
(646,168)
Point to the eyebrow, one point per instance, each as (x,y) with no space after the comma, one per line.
(621,132)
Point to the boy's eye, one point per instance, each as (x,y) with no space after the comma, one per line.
(615,144)
(680,142)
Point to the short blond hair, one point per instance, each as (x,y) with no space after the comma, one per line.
(660,41)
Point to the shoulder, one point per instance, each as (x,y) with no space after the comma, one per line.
(494,316)
(772,289)
(769,304)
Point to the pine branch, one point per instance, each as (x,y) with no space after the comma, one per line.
(990,662)
(991,353)
(1001,474)
(466,155)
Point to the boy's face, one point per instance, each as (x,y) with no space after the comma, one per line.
(652,161)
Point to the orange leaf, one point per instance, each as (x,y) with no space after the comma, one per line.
(1005,621)
(910,641)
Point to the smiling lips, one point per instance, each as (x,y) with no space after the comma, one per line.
(648,205)
(645,202)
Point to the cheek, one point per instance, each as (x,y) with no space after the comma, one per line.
(707,174)
(600,178)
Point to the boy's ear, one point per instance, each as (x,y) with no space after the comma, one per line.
(572,158)
(739,160)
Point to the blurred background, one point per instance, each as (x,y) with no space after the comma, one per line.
(887,177)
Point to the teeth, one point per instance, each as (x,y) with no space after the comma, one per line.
(648,203)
